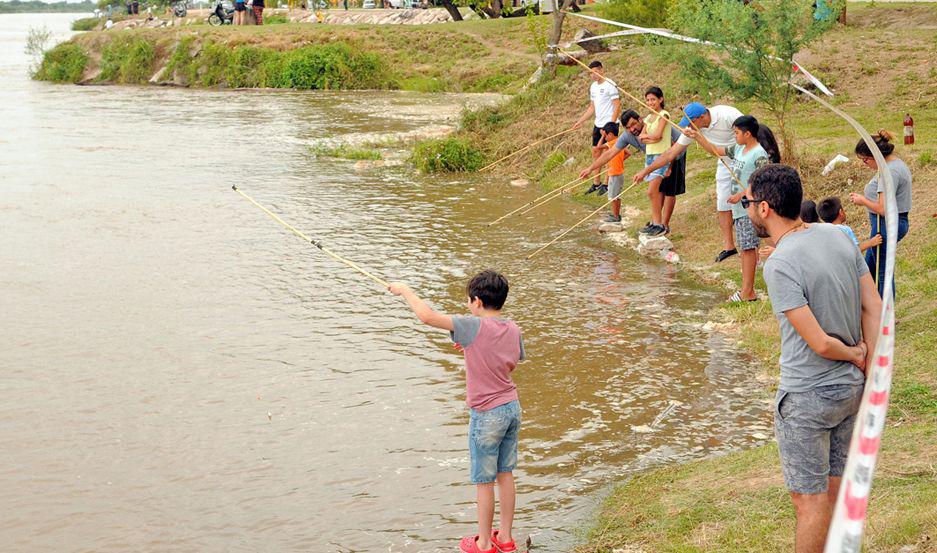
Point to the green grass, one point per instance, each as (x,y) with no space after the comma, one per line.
(64,63)
(127,60)
(346,152)
(446,155)
(85,23)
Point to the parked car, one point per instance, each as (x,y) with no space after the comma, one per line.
(404,4)
(368,4)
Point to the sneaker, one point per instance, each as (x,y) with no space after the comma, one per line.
(655,230)
(603,190)
(646,228)
(725,254)
(611,219)
(592,189)
(666,230)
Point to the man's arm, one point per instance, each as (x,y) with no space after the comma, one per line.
(590,111)
(424,312)
(871,312)
(671,154)
(824,345)
(705,143)
(602,160)
(617,105)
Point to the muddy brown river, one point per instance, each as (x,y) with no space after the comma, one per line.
(181,374)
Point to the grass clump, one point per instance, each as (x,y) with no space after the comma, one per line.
(63,64)
(127,60)
(85,24)
(346,152)
(447,155)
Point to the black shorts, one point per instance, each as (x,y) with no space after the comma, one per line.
(675,184)
(240,6)
(597,136)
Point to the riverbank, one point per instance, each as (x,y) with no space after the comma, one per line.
(735,502)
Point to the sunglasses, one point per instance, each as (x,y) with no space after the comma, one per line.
(750,201)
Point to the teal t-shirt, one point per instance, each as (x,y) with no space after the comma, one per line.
(743,165)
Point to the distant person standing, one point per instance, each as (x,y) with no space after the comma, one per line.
(605,105)
(257,6)
(240,11)
(715,124)
(345,3)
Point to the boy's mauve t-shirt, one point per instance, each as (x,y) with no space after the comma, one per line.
(492,349)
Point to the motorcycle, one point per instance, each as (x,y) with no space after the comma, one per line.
(221,15)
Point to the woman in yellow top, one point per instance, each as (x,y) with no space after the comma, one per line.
(656,137)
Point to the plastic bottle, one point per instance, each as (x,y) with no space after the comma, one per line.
(908,129)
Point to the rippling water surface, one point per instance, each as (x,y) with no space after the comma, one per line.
(181,374)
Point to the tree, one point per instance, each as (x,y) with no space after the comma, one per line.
(756,44)
(556,32)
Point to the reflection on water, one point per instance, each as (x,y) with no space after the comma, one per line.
(181,374)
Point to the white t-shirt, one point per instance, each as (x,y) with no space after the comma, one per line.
(719,131)
(602,96)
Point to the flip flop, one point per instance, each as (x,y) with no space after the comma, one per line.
(725,254)
(503,547)
(737,298)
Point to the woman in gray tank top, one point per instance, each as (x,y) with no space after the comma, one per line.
(873,199)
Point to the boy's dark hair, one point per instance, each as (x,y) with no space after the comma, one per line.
(611,127)
(829,209)
(747,123)
(780,186)
(808,212)
(628,116)
(489,286)
(594,64)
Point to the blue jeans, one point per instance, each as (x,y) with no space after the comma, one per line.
(493,441)
(875,257)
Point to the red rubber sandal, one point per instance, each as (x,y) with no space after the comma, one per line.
(469,544)
(503,547)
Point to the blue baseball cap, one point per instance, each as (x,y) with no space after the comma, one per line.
(692,111)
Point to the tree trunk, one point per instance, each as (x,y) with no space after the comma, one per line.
(452,9)
(556,32)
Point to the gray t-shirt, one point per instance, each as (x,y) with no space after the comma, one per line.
(819,267)
(628,139)
(901,176)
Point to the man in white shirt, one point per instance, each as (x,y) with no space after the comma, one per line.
(715,124)
(605,104)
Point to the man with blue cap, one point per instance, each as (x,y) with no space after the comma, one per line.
(714,123)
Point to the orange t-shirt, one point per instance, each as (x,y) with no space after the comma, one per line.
(616,165)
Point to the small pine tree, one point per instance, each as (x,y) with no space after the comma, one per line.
(756,43)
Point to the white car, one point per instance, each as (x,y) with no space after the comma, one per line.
(368,5)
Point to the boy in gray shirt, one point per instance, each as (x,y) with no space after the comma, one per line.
(828,309)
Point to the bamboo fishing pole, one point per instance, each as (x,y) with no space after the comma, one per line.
(584,219)
(315,243)
(553,193)
(654,111)
(524,149)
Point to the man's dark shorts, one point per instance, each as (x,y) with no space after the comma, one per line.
(675,184)
(240,6)
(597,136)
(813,430)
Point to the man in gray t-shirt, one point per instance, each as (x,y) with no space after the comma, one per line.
(828,310)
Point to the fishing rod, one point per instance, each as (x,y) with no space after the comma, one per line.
(584,219)
(524,149)
(553,193)
(315,243)
(652,110)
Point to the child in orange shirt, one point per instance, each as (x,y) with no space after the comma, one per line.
(616,172)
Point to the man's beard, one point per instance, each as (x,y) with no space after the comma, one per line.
(760,229)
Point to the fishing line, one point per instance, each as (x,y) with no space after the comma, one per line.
(315,243)
(553,194)
(524,149)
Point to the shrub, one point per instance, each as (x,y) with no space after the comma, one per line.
(446,155)
(85,24)
(63,64)
(244,67)
(127,60)
(213,64)
(181,62)
(646,13)
(331,66)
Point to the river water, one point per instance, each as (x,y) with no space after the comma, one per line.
(181,374)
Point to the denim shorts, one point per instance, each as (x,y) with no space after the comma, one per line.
(493,441)
(813,429)
(656,173)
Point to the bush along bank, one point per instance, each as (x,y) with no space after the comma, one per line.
(132,59)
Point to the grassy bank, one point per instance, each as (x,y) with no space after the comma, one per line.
(880,67)
(472,56)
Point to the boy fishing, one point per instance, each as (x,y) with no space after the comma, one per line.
(492,346)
